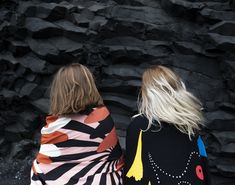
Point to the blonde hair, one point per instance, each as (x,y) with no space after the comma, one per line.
(73,89)
(165,98)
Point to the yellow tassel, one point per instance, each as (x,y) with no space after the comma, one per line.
(149,183)
(136,169)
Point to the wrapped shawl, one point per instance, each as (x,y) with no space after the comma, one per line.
(79,149)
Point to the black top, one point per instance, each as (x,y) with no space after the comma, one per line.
(165,157)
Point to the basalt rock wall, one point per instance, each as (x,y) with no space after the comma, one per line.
(117,40)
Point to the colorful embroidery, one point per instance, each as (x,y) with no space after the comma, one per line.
(201,147)
(199,172)
(184,182)
(167,173)
(136,169)
(182,174)
(167,157)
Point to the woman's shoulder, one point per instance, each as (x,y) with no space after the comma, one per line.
(138,122)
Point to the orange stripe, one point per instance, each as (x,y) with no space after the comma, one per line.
(43,159)
(120,163)
(97,115)
(53,138)
(50,119)
(109,141)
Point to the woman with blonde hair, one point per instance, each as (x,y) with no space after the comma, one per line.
(162,145)
(79,144)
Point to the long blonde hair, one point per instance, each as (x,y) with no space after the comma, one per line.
(165,98)
(73,89)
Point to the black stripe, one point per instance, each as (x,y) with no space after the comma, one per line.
(112,178)
(91,178)
(119,177)
(77,143)
(107,170)
(98,159)
(34,177)
(103,179)
(38,177)
(116,153)
(78,126)
(103,128)
(73,156)
(101,168)
(75,179)
(83,172)
(57,172)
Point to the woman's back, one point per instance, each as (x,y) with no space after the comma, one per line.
(166,156)
(79,149)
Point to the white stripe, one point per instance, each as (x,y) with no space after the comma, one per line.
(56,125)
(89,158)
(92,171)
(115,178)
(108,179)
(115,165)
(36,167)
(73,171)
(82,136)
(112,167)
(120,173)
(75,150)
(96,179)
(49,150)
(37,182)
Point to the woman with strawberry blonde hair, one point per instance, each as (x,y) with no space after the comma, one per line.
(79,144)
(162,145)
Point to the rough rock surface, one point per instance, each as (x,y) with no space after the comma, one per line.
(117,40)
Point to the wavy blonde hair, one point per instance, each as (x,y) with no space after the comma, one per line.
(73,89)
(165,98)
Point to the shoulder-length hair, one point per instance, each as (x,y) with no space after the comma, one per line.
(164,98)
(73,89)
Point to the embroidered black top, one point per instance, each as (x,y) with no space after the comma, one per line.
(165,157)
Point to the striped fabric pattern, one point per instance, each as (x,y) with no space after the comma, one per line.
(79,149)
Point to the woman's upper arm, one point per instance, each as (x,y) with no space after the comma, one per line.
(131,144)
